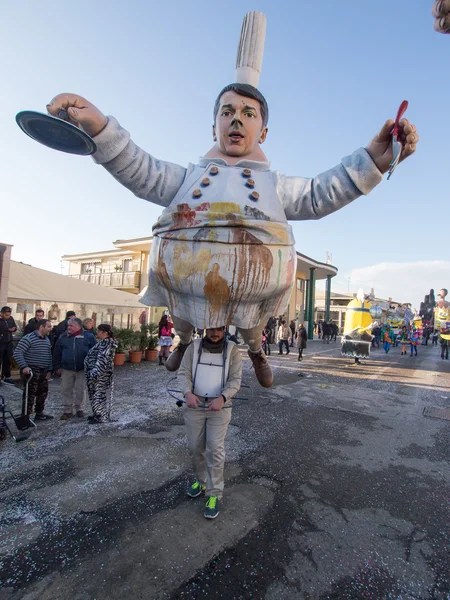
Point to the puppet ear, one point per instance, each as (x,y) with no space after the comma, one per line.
(251,48)
(262,137)
(214,133)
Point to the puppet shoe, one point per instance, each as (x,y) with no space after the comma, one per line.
(262,368)
(174,361)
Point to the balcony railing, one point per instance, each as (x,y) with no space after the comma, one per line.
(119,279)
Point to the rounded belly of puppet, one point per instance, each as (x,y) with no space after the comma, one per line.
(211,284)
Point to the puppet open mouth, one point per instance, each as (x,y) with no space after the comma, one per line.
(235,136)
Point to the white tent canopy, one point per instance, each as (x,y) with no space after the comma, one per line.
(27,283)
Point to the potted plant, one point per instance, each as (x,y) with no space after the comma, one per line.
(152,341)
(138,345)
(124,338)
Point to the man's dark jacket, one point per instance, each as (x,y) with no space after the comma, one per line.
(6,336)
(71,350)
(57,331)
(31,326)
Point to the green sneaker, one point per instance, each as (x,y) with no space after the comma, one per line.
(196,489)
(212,507)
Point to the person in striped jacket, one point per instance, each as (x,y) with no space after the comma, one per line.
(33,354)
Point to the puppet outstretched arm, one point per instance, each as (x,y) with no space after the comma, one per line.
(147,177)
(305,199)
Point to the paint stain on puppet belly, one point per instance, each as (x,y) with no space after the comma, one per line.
(216,290)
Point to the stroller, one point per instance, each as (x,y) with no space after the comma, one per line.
(22,422)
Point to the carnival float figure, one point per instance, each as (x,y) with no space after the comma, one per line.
(396,317)
(357,336)
(441,14)
(223,251)
(442,311)
(426,311)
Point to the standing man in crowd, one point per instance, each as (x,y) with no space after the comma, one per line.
(68,361)
(210,375)
(283,336)
(34,322)
(292,327)
(271,327)
(7,328)
(61,327)
(34,356)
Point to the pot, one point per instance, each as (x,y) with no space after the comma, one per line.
(135,356)
(119,359)
(151,354)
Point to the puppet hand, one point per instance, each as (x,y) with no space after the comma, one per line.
(441,12)
(80,111)
(216,403)
(192,401)
(380,148)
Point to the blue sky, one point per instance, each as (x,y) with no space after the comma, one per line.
(333,72)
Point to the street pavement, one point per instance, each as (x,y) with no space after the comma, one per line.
(337,487)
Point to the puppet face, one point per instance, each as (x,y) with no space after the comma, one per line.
(238,128)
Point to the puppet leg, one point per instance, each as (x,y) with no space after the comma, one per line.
(253,338)
(184,330)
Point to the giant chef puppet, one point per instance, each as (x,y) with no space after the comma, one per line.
(223,251)
(441,14)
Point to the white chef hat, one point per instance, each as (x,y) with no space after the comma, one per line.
(251,48)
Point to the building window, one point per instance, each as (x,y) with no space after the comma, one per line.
(127,263)
(86,268)
(300,285)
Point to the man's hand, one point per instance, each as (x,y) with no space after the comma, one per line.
(192,401)
(441,13)
(216,403)
(26,371)
(48,376)
(81,112)
(380,148)
(58,371)
(12,329)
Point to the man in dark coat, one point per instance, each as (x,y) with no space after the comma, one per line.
(7,328)
(325,332)
(33,323)
(61,327)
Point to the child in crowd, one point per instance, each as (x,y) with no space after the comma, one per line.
(265,342)
(434,339)
(404,339)
(414,342)
(388,339)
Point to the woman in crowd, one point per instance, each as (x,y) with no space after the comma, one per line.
(301,338)
(165,338)
(88,325)
(98,367)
